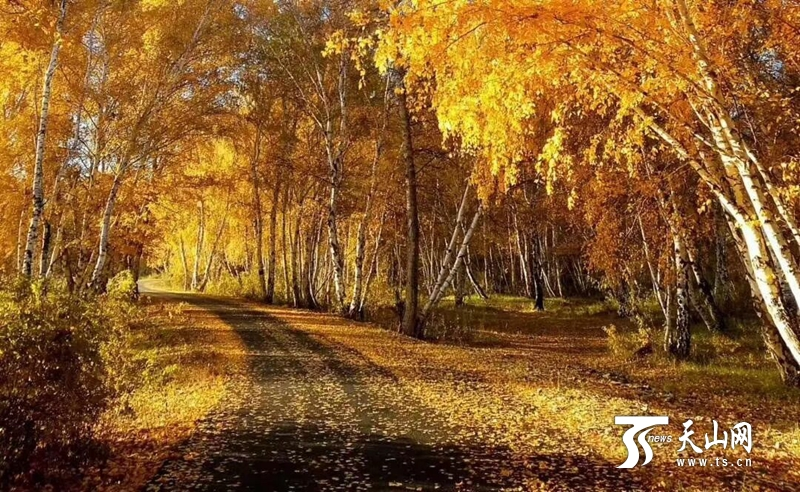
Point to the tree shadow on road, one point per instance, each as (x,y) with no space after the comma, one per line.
(246,448)
(305,457)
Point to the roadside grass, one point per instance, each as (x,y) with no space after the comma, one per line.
(182,373)
(554,305)
(735,362)
(728,375)
(490,321)
(737,357)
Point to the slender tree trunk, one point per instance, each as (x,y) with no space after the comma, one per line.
(45,250)
(444,268)
(313,260)
(105,229)
(20,227)
(258,225)
(468,264)
(537,274)
(296,261)
(653,277)
(458,288)
(273,219)
(721,260)
(706,303)
(198,248)
(427,257)
(557,266)
(462,253)
(473,281)
(136,268)
(410,324)
(55,249)
(283,245)
(358,276)
(373,268)
(701,303)
(522,251)
(498,273)
(185,264)
(213,252)
(678,339)
(333,235)
(512,277)
(41,140)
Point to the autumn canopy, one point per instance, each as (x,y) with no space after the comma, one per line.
(394,162)
(222,139)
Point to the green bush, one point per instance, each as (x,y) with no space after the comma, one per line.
(61,365)
(628,345)
(227,286)
(123,286)
(455,330)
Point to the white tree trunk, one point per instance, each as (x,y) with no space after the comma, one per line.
(444,270)
(766,282)
(677,337)
(373,265)
(653,276)
(41,140)
(462,252)
(333,234)
(105,230)
(258,224)
(55,249)
(214,247)
(361,237)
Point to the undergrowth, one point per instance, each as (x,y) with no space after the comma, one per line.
(62,364)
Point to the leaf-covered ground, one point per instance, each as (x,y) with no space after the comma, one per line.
(326,404)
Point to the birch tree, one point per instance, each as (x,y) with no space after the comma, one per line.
(660,70)
(154,101)
(41,141)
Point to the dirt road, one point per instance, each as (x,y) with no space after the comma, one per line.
(321,403)
(312,413)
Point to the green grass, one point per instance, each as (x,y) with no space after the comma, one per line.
(736,359)
(519,304)
(735,362)
(736,379)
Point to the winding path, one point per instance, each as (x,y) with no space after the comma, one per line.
(311,413)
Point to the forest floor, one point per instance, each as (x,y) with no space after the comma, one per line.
(316,402)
